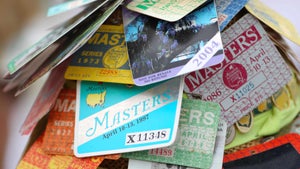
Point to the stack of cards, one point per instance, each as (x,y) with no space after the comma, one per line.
(104,57)
(157,84)
(57,46)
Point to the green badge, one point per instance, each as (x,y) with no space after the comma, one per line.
(195,141)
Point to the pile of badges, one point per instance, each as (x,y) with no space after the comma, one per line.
(162,84)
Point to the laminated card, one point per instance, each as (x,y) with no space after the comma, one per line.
(104,56)
(196,137)
(159,50)
(252,71)
(168,10)
(115,118)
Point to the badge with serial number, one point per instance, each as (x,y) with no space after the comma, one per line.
(116,118)
(252,71)
(104,57)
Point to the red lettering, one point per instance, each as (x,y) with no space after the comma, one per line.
(243,42)
(232,50)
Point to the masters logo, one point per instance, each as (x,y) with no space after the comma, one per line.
(93,100)
(147,3)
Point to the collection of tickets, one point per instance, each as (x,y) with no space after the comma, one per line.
(163,85)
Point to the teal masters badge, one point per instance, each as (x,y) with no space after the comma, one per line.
(116,118)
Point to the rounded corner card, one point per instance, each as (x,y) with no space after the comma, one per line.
(159,50)
(117,118)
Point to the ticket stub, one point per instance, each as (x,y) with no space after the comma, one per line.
(117,118)
(217,159)
(168,10)
(195,140)
(252,71)
(227,9)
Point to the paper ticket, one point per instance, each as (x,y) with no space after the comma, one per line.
(252,71)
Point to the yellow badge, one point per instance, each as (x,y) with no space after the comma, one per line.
(245,124)
(273,19)
(263,107)
(281,99)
